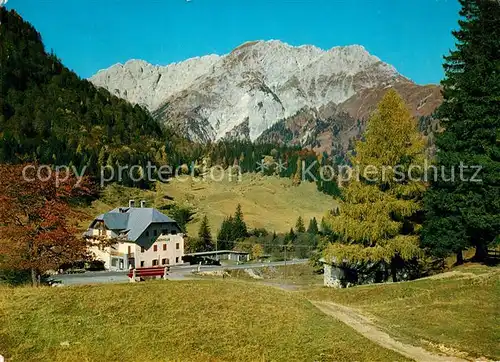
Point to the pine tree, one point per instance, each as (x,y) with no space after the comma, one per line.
(379,216)
(299,225)
(313,227)
(239,226)
(461,213)
(225,237)
(205,242)
(182,215)
(325,226)
(290,237)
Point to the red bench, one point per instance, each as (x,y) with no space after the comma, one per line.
(142,273)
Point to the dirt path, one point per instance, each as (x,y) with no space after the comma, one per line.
(366,328)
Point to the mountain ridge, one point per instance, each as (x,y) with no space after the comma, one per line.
(255,86)
(243,45)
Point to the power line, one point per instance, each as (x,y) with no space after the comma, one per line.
(267,244)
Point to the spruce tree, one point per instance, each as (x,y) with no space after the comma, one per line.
(290,237)
(205,242)
(313,227)
(461,213)
(378,219)
(299,225)
(239,226)
(225,237)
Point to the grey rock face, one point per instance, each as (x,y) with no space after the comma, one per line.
(256,85)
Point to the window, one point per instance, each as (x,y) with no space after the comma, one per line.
(176,259)
(114,262)
(155,247)
(163,261)
(142,264)
(155,233)
(173,231)
(164,231)
(177,246)
(155,262)
(129,251)
(164,247)
(142,249)
(147,233)
(168,261)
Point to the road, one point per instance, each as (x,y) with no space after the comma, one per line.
(183,272)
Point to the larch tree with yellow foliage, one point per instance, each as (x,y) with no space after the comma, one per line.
(381,211)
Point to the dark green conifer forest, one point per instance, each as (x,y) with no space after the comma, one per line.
(463,207)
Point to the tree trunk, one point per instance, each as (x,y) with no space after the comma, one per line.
(34,279)
(460,258)
(386,271)
(481,252)
(393,270)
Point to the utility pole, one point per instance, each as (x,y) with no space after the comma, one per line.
(285,266)
(216,245)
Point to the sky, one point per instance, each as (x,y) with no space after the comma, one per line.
(412,35)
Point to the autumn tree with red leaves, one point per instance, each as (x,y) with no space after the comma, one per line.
(35,229)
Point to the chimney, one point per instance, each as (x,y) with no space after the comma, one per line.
(143,203)
(131,203)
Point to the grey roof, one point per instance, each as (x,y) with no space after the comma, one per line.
(132,220)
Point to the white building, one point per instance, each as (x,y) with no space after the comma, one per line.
(137,237)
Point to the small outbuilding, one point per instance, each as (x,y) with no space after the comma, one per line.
(215,257)
(344,274)
(333,276)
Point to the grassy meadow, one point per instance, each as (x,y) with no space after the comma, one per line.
(174,321)
(459,309)
(233,319)
(267,202)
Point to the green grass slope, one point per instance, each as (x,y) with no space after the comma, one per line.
(174,321)
(269,202)
(457,309)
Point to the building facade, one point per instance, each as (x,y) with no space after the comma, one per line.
(134,237)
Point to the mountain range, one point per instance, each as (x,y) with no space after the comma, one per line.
(268,91)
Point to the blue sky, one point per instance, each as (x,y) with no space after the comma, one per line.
(412,35)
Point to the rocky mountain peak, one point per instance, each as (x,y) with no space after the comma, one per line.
(256,85)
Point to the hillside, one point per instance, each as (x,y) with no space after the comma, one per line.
(260,83)
(50,115)
(267,202)
(333,127)
(167,321)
